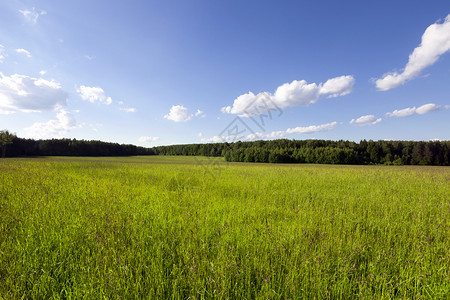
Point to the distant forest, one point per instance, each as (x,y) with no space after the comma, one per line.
(275,151)
(71,147)
(321,152)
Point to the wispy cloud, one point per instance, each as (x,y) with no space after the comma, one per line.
(2,53)
(199,114)
(274,134)
(32,15)
(147,139)
(295,130)
(94,94)
(23,51)
(296,93)
(435,42)
(409,111)
(365,120)
(130,109)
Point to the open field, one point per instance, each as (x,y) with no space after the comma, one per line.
(194,227)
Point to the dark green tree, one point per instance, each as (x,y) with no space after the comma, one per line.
(6,138)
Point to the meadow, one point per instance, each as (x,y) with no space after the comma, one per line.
(161,227)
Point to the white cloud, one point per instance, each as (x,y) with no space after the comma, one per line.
(409,111)
(274,134)
(130,109)
(365,120)
(426,108)
(23,51)
(200,114)
(296,130)
(219,139)
(7,112)
(435,42)
(2,53)
(94,94)
(313,128)
(179,113)
(25,93)
(296,93)
(65,121)
(406,112)
(146,139)
(88,57)
(43,72)
(338,86)
(32,15)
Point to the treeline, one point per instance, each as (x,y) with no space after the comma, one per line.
(275,151)
(71,147)
(321,152)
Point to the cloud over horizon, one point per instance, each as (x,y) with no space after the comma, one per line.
(27,94)
(146,139)
(435,42)
(65,121)
(274,134)
(296,93)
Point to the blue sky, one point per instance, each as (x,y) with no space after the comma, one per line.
(169,72)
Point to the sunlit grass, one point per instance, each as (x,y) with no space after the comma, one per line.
(190,227)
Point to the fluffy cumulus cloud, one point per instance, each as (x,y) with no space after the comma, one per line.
(274,134)
(365,120)
(296,93)
(179,113)
(25,52)
(94,94)
(32,15)
(409,111)
(25,93)
(435,42)
(147,139)
(64,122)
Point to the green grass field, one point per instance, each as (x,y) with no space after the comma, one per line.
(195,227)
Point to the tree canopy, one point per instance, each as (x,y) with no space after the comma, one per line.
(6,138)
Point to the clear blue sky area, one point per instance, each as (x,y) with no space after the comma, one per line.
(170,72)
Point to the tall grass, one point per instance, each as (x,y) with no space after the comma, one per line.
(161,227)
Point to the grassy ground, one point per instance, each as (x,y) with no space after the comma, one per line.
(195,227)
